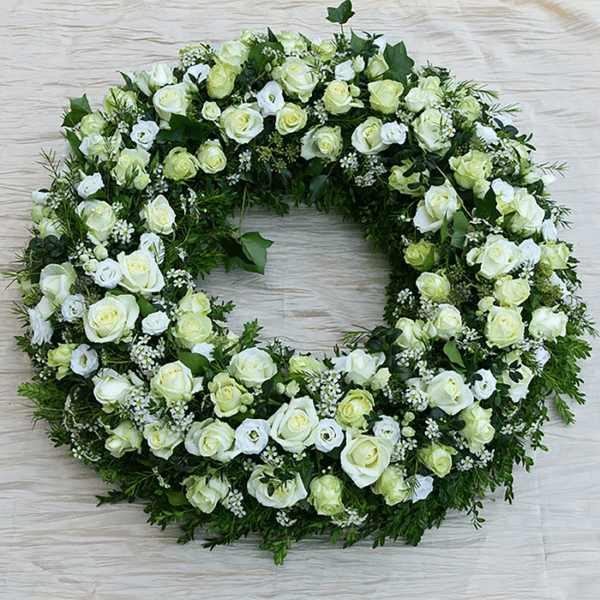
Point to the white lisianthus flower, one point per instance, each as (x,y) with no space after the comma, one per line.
(140,273)
(155,323)
(111,319)
(498,256)
(322,142)
(388,428)
(204,349)
(293,426)
(73,308)
(285,493)
(252,436)
(329,435)
(485,385)
(252,367)
(478,430)
(111,388)
(205,493)
(270,99)
(440,202)
(41,328)
(143,134)
(365,457)
(531,252)
(541,356)
(56,281)
(366,138)
(447,321)
(107,274)
(123,438)
(421,487)
(212,439)
(162,439)
(448,391)
(175,383)
(90,185)
(392,486)
(486,134)
(548,324)
(172,100)
(358,365)
(150,242)
(297,78)
(158,215)
(326,495)
(196,74)
(345,71)
(84,360)
(393,133)
(549,230)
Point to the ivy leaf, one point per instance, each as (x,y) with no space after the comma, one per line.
(260,58)
(357,44)
(342,14)
(196,363)
(79,108)
(400,64)
(453,353)
(182,129)
(460,224)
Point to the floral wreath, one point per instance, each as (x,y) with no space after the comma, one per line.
(138,373)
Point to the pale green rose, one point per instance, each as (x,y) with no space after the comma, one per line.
(407,184)
(365,457)
(517,390)
(228,396)
(247,37)
(39,212)
(192,329)
(478,430)
(433,286)
(438,458)
(61,357)
(326,495)
(195,302)
(322,142)
(448,391)
(232,54)
(175,383)
(283,493)
(498,256)
(211,111)
(412,334)
(470,108)
(385,95)
(130,169)
(290,119)
(140,273)
(117,99)
(447,321)
(293,425)
(211,157)
(438,205)
(180,165)
(297,78)
(548,324)
(97,146)
(242,123)
(212,439)
(123,438)
(427,93)
(158,215)
(380,379)
(220,81)
(504,326)
(352,411)
(292,42)
(99,218)
(252,367)
(529,216)
(150,81)
(324,48)
(172,100)
(56,281)
(92,123)
(416,255)
(376,66)
(339,98)
(205,492)
(471,168)
(511,292)
(366,138)
(555,255)
(430,127)
(111,388)
(292,389)
(162,439)
(300,363)
(392,486)
(111,319)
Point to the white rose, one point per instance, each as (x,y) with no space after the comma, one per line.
(433,286)
(365,457)
(448,391)
(385,95)
(529,216)
(211,157)
(111,388)
(192,329)
(195,302)
(439,203)
(326,495)
(172,100)
(99,218)
(297,78)
(366,138)
(300,363)
(205,493)
(84,360)
(352,411)
(392,486)
(161,439)
(471,169)
(284,493)
(73,308)
(155,323)
(41,328)
(426,93)
(107,274)
(252,367)
(329,435)
(437,457)
(380,379)
(504,326)
(252,436)
(549,231)
(50,226)
(293,426)
(158,215)
(478,430)
(150,242)
(548,324)
(210,111)
(339,98)
(90,185)
(100,147)
(130,169)
(211,439)
(175,383)
(430,128)
(511,292)
(228,396)
(322,142)
(232,54)
(150,81)
(220,81)
(143,134)
(412,334)
(393,133)
(358,365)
(270,99)
(56,281)
(344,71)
(387,428)
(140,273)
(555,255)
(242,123)
(530,252)
(448,321)
(290,119)
(123,438)
(197,73)
(111,319)
(485,385)
(497,256)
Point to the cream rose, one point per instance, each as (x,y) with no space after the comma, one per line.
(192,329)
(439,203)
(301,363)
(195,302)
(517,390)
(212,439)
(205,492)
(498,256)
(290,118)
(426,93)
(447,321)
(297,78)
(252,367)
(292,42)
(358,365)
(60,358)
(478,430)
(511,292)
(504,326)
(365,457)
(438,458)
(339,97)
(111,388)
(385,95)
(433,286)
(161,439)
(92,123)
(351,412)
(175,383)
(56,281)
(548,324)
(111,319)
(130,169)
(448,391)
(471,168)
(150,81)
(284,493)
(406,184)
(376,66)
(392,486)
(412,335)
(211,157)
(322,142)
(220,81)
(431,128)
(293,426)
(555,255)
(366,138)
(158,215)
(172,100)
(99,218)
(228,396)
(117,99)
(140,273)
(326,495)
(123,438)
(416,255)
(232,54)
(180,165)
(242,123)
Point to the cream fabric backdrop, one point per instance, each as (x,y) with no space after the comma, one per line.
(322,279)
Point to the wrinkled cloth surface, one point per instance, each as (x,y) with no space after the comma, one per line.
(321,280)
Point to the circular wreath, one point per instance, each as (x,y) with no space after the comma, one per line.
(138,373)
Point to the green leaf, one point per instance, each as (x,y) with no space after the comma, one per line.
(357,44)
(176,498)
(182,129)
(342,14)
(429,260)
(256,54)
(79,108)
(318,187)
(460,224)
(196,363)
(400,64)
(486,207)
(255,248)
(453,353)
(444,230)
(74,142)
(145,307)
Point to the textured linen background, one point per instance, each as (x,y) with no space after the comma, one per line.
(321,279)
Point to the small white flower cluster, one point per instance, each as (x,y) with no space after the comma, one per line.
(235,503)
(283,518)
(160,478)
(349,162)
(146,352)
(350,517)
(270,456)
(432,429)
(180,278)
(325,386)
(123,232)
